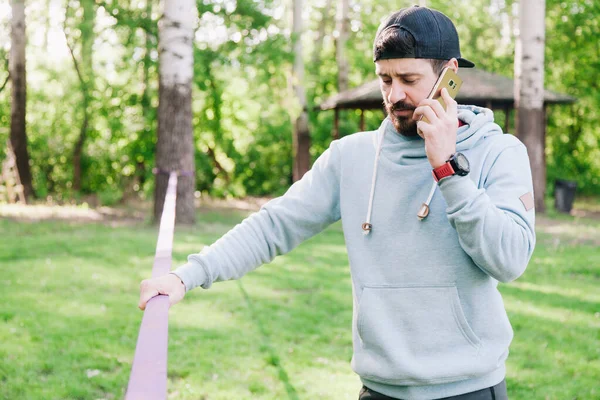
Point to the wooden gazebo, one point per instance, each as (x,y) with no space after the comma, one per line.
(479,88)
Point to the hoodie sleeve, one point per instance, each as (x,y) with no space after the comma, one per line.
(308,207)
(495,224)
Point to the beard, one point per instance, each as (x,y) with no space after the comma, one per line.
(405,126)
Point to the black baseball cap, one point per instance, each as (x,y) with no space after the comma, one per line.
(434,33)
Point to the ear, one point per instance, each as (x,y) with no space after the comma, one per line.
(453,64)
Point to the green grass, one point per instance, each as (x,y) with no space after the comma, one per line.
(69,317)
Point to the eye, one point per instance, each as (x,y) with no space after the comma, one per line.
(386,81)
(410,82)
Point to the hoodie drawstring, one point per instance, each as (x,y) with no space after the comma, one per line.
(424,210)
(421,214)
(366,227)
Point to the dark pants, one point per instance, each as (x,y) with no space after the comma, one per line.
(497,392)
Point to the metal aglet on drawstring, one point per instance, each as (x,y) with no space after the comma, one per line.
(424,210)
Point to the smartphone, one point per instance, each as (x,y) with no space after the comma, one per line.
(449,80)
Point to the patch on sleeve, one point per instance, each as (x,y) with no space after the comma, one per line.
(527,200)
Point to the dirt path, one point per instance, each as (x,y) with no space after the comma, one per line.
(583,227)
(76,214)
(128,214)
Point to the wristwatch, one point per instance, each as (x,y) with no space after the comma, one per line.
(457,164)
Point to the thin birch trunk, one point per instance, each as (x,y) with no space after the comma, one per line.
(529,91)
(175,146)
(146,130)
(301,138)
(84,70)
(17,72)
(340,50)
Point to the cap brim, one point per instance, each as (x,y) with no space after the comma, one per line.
(465,63)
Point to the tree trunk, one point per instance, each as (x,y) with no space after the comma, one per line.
(529,91)
(78,148)
(146,103)
(86,77)
(216,125)
(18,132)
(175,146)
(340,49)
(301,138)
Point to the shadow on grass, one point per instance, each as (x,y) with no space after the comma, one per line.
(550,361)
(554,300)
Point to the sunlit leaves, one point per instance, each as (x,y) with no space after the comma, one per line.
(241,120)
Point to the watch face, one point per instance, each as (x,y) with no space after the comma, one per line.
(462,163)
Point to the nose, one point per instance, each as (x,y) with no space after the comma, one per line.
(396,93)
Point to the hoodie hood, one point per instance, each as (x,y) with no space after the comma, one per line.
(402,150)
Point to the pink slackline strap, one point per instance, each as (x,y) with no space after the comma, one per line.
(148,379)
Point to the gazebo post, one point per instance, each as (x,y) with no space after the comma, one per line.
(362,120)
(336,124)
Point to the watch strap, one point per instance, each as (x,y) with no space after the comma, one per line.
(443,171)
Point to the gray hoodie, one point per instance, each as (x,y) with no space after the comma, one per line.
(428,319)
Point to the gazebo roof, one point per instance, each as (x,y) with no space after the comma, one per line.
(479,88)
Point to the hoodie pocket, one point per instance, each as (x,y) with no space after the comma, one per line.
(414,335)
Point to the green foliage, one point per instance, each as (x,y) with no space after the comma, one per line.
(573,67)
(242,98)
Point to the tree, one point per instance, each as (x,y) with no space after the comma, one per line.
(85,73)
(143,148)
(341,57)
(529,91)
(340,49)
(243,110)
(18,132)
(175,146)
(301,135)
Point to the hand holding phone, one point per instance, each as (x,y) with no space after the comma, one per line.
(448,79)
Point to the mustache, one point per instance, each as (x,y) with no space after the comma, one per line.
(401,107)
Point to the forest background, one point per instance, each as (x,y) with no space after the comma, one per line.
(92,89)
(69,320)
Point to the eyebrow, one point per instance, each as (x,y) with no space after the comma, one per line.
(394,74)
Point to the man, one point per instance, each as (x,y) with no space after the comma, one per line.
(435,212)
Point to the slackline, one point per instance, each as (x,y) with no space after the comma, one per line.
(148,379)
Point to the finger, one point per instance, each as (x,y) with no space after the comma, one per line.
(428,102)
(147,291)
(451,105)
(426,111)
(418,113)
(145,298)
(424,129)
(437,108)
